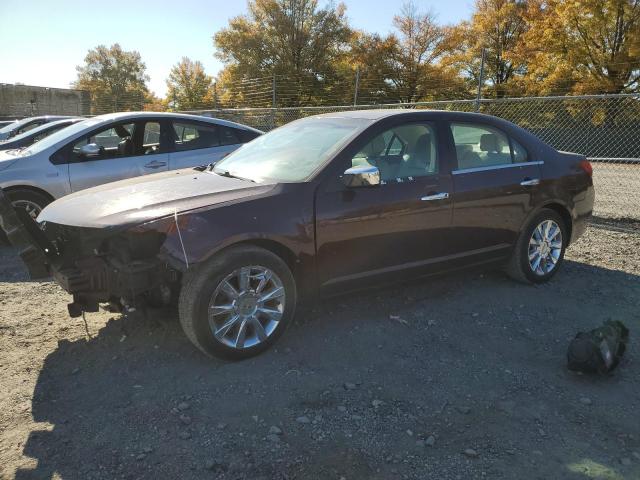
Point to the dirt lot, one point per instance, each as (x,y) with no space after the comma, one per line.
(617,186)
(394,383)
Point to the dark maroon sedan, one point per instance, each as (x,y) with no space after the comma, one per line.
(321,205)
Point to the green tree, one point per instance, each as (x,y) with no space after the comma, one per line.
(419,46)
(498,27)
(116,79)
(295,40)
(591,46)
(188,85)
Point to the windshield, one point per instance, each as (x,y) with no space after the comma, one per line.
(41,128)
(290,153)
(59,136)
(14,125)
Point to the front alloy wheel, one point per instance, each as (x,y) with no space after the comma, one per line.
(32,208)
(246,307)
(238,303)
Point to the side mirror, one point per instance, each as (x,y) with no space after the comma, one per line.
(362,176)
(90,150)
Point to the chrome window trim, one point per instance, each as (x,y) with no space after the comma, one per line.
(495,167)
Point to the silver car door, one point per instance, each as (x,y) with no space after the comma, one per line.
(196,143)
(118,152)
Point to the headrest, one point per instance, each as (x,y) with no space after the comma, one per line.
(423,142)
(375,147)
(488,142)
(125,147)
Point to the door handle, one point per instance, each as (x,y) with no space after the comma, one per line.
(530,182)
(155,164)
(435,196)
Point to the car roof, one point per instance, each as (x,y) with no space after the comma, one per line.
(110,117)
(378,114)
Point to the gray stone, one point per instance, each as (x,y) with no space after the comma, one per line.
(350,386)
(471,453)
(430,441)
(585,401)
(275,430)
(303,419)
(183,406)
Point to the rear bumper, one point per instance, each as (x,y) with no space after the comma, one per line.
(582,213)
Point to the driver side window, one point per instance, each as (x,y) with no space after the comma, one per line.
(114,142)
(401,153)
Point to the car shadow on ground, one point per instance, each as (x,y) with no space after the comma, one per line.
(357,387)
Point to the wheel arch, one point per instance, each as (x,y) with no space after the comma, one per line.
(29,188)
(274,247)
(564,213)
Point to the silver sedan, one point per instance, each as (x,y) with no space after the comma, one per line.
(114,147)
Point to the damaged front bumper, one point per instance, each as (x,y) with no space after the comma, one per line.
(122,267)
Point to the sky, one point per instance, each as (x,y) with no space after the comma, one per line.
(42,41)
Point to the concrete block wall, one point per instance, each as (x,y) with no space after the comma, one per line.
(19,101)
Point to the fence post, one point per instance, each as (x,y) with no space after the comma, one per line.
(273,102)
(480,81)
(357,86)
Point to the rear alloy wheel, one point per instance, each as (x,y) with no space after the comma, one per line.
(540,248)
(545,247)
(239,303)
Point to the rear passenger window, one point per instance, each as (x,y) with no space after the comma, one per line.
(480,146)
(519,153)
(193,136)
(229,136)
(151,138)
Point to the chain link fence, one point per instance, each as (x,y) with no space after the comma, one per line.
(605,128)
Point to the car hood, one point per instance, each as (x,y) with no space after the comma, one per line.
(141,199)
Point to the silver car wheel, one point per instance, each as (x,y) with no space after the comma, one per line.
(246,307)
(32,208)
(545,247)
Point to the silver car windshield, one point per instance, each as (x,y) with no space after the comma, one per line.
(14,125)
(58,136)
(37,130)
(291,153)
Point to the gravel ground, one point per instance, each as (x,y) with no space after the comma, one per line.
(454,377)
(617,186)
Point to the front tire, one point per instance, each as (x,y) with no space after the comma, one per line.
(540,248)
(31,201)
(237,304)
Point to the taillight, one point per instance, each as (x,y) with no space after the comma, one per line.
(585,165)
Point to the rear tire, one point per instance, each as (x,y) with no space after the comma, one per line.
(542,245)
(229,290)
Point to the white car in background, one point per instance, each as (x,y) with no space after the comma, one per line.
(113,147)
(21,126)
